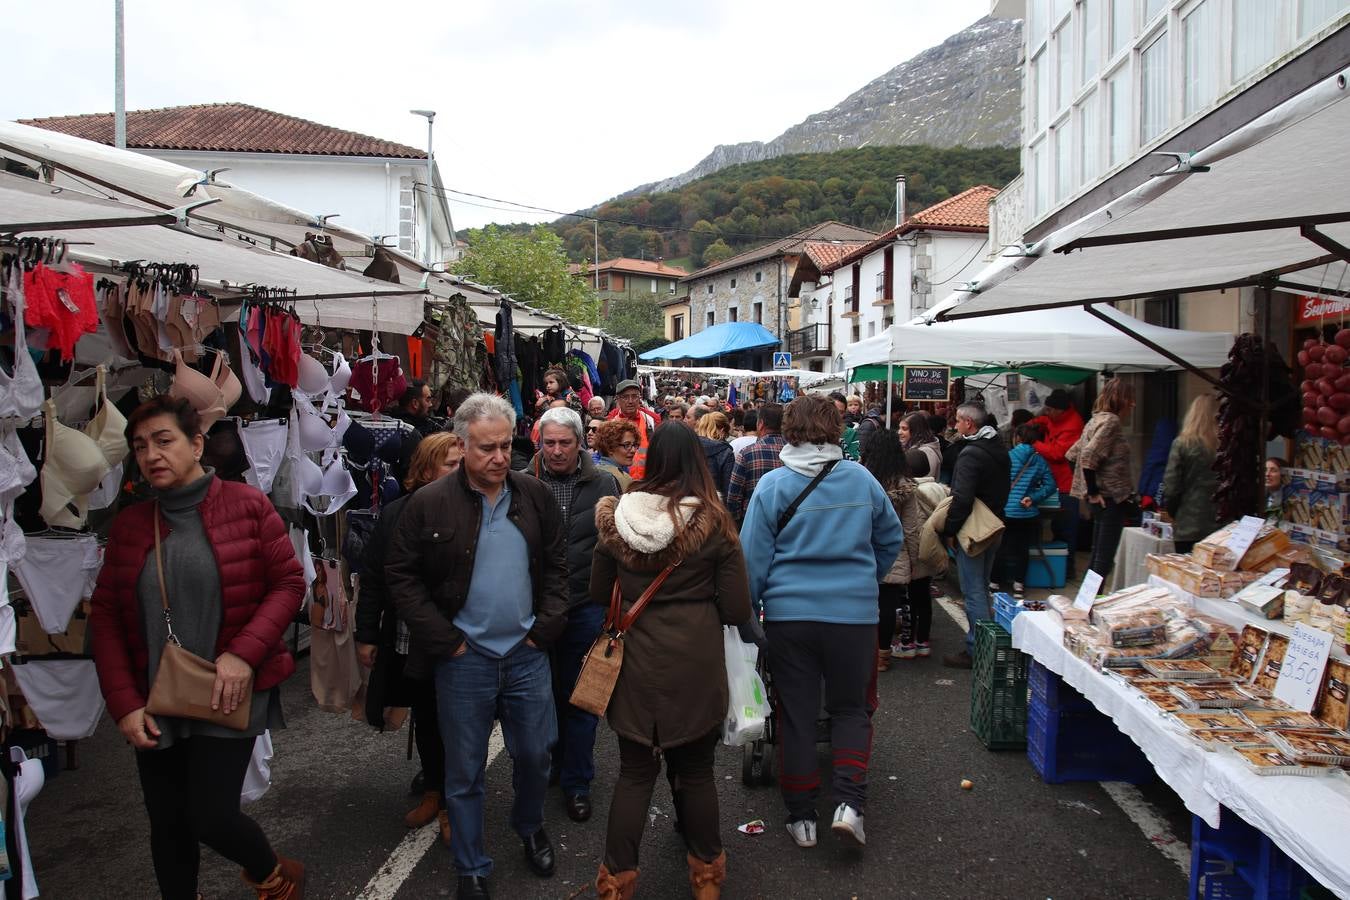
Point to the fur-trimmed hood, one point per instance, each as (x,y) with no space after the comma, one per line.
(639,531)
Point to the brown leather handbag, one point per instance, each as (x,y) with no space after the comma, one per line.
(184,681)
(600,668)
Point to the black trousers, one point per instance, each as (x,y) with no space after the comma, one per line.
(921,608)
(890,598)
(1107,525)
(690,767)
(192,795)
(1015,552)
(427,733)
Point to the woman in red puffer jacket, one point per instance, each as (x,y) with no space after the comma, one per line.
(233,585)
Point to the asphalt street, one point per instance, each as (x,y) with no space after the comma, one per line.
(340,790)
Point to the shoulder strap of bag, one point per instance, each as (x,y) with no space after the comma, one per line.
(616,623)
(159,570)
(1022,471)
(791,510)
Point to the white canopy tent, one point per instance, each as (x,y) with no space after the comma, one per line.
(1057,337)
(1268,204)
(804,376)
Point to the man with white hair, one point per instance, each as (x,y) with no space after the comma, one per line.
(577,484)
(982,472)
(477,569)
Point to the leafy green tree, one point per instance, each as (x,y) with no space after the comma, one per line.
(718,251)
(703,234)
(532,268)
(638,319)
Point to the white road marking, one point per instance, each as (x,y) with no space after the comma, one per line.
(1125,796)
(400,864)
(1154,826)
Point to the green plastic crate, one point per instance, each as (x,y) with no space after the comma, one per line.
(998,694)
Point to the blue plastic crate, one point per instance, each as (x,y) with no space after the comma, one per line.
(1053,693)
(1005,610)
(1082,746)
(1236,860)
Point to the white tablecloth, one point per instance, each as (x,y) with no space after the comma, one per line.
(1130,566)
(1305,817)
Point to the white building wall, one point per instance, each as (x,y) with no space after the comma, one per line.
(366,193)
(942,260)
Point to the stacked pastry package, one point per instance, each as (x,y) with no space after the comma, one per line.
(1319,600)
(1211,569)
(1233,707)
(1133,624)
(1316,507)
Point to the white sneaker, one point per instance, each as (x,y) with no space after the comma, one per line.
(803,831)
(848,825)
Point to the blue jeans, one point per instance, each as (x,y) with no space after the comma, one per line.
(974,573)
(472,690)
(573,756)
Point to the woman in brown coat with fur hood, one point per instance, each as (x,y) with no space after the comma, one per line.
(671,696)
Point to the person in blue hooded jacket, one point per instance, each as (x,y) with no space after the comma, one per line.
(1032,485)
(815,579)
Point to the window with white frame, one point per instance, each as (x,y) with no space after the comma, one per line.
(1039,72)
(1060,9)
(1063,67)
(1153,96)
(407,214)
(1200,61)
(1038,21)
(1313,14)
(1063,150)
(1089,138)
(1090,46)
(1118,119)
(1040,181)
(857,331)
(1255,35)
(1152,8)
(1122,25)
(654,284)
(881,286)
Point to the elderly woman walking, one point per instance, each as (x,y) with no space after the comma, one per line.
(216,555)
(819,536)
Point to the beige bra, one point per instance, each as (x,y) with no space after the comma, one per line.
(77,461)
(213,395)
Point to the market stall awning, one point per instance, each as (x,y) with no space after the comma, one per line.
(1268,204)
(1063,346)
(141,180)
(803,376)
(729,337)
(27,205)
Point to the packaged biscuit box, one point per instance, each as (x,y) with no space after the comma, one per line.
(1335,704)
(1251,644)
(1268,672)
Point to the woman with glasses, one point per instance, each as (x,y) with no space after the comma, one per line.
(616,440)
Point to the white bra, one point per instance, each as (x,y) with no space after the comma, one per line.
(20,393)
(332,481)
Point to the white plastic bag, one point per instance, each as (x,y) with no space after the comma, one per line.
(749,705)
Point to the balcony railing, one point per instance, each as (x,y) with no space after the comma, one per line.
(813,340)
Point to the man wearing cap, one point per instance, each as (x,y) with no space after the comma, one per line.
(628,405)
(1062,426)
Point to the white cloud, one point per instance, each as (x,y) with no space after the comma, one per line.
(559,104)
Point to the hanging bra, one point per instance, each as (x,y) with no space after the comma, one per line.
(73,468)
(211,395)
(108,426)
(332,480)
(249,373)
(342,374)
(313,377)
(20,393)
(315,432)
(16,469)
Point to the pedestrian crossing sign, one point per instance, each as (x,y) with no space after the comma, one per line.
(782,360)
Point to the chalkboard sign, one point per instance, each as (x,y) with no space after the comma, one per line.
(927,383)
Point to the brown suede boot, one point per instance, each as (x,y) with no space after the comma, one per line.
(425,811)
(443,819)
(705,878)
(616,886)
(287,881)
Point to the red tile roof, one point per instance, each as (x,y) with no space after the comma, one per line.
(824,232)
(966,212)
(226,128)
(827,253)
(630,266)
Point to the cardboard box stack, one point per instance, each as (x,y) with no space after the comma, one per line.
(1316,508)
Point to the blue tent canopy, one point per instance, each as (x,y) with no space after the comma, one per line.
(729,337)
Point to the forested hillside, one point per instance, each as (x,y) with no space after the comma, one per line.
(744,205)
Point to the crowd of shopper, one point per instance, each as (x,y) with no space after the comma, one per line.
(487,584)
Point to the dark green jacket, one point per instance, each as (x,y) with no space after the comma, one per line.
(1188,490)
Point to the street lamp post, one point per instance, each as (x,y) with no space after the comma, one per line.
(430,116)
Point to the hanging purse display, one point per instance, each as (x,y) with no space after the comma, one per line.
(600,668)
(184,681)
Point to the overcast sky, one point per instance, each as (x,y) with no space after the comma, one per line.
(555,103)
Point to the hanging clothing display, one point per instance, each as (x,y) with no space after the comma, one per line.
(56,574)
(20,390)
(28,783)
(211,395)
(75,464)
(335,673)
(264,445)
(65,695)
(61,302)
(16,469)
(379,381)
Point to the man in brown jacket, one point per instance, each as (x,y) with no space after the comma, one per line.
(481,623)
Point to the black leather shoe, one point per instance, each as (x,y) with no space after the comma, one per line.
(539,854)
(472,887)
(578,807)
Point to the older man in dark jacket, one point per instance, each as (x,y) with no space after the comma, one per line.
(482,623)
(982,472)
(578,485)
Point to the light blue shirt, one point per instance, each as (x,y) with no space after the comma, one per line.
(499,610)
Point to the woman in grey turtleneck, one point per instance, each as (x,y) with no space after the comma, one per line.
(233,584)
